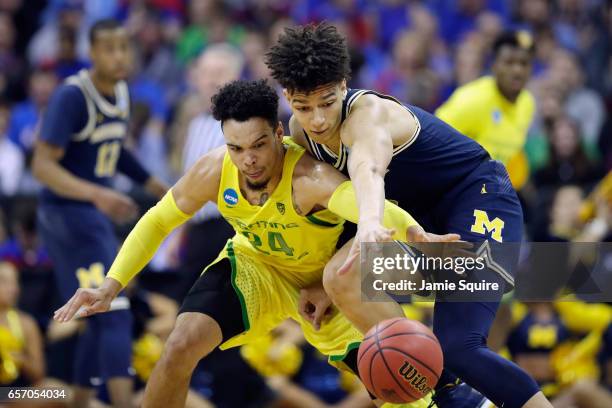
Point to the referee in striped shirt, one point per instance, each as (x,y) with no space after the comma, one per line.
(208,231)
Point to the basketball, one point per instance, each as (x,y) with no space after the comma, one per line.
(400,360)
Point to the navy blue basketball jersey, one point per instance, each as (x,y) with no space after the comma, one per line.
(434,159)
(89,127)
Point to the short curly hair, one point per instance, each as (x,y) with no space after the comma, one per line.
(242,100)
(309,56)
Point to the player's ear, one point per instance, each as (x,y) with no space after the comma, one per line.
(287,95)
(280,131)
(343,88)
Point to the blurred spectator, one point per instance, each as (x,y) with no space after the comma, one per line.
(206,236)
(533,14)
(461,16)
(582,104)
(568,162)
(158,78)
(597,50)
(538,331)
(146,139)
(21,345)
(12,163)
(208,23)
(26,116)
(44,46)
(24,249)
(68,62)
(11,65)
(255,45)
(409,67)
(469,61)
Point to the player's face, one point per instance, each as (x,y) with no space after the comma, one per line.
(319,112)
(512,68)
(9,288)
(111,54)
(255,148)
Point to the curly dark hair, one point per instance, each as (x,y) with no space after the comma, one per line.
(309,56)
(516,39)
(242,100)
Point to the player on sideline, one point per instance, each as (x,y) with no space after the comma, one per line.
(80,148)
(286,208)
(444,179)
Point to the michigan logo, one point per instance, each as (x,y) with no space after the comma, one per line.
(415,379)
(281,208)
(91,277)
(230,196)
(483,225)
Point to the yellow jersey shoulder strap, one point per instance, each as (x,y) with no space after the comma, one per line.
(293,154)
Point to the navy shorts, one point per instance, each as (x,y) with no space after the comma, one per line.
(483,208)
(82,245)
(81,242)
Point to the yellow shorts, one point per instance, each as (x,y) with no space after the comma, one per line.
(248,298)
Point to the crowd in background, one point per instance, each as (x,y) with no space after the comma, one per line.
(417,51)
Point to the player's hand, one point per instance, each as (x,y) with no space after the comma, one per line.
(314,305)
(367,232)
(419,238)
(156,187)
(117,206)
(87,302)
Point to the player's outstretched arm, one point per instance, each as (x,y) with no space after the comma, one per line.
(191,192)
(371,144)
(319,185)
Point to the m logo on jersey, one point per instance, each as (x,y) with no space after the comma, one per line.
(230,196)
(281,208)
(482,225)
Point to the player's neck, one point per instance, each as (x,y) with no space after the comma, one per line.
(509,96)
(103,86)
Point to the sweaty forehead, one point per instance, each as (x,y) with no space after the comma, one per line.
(247,132)
(318,93)
(114,34)
(509,51)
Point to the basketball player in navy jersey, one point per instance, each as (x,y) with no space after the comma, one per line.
(78,152)
(444,179)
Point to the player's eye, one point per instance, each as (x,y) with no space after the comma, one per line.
(258,145)
(330,103)
(302,109)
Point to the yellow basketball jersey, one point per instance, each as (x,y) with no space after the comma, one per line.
(298,246)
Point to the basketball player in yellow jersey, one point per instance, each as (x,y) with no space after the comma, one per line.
(285,207)
(497,110)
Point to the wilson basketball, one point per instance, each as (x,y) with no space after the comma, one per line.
(400,360)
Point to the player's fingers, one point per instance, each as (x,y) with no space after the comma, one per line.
(320,312)
(303,309)
(318,316)
(97,306)
(80,298)
(416,233)
(61,312)
(388,235)
(446,238)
